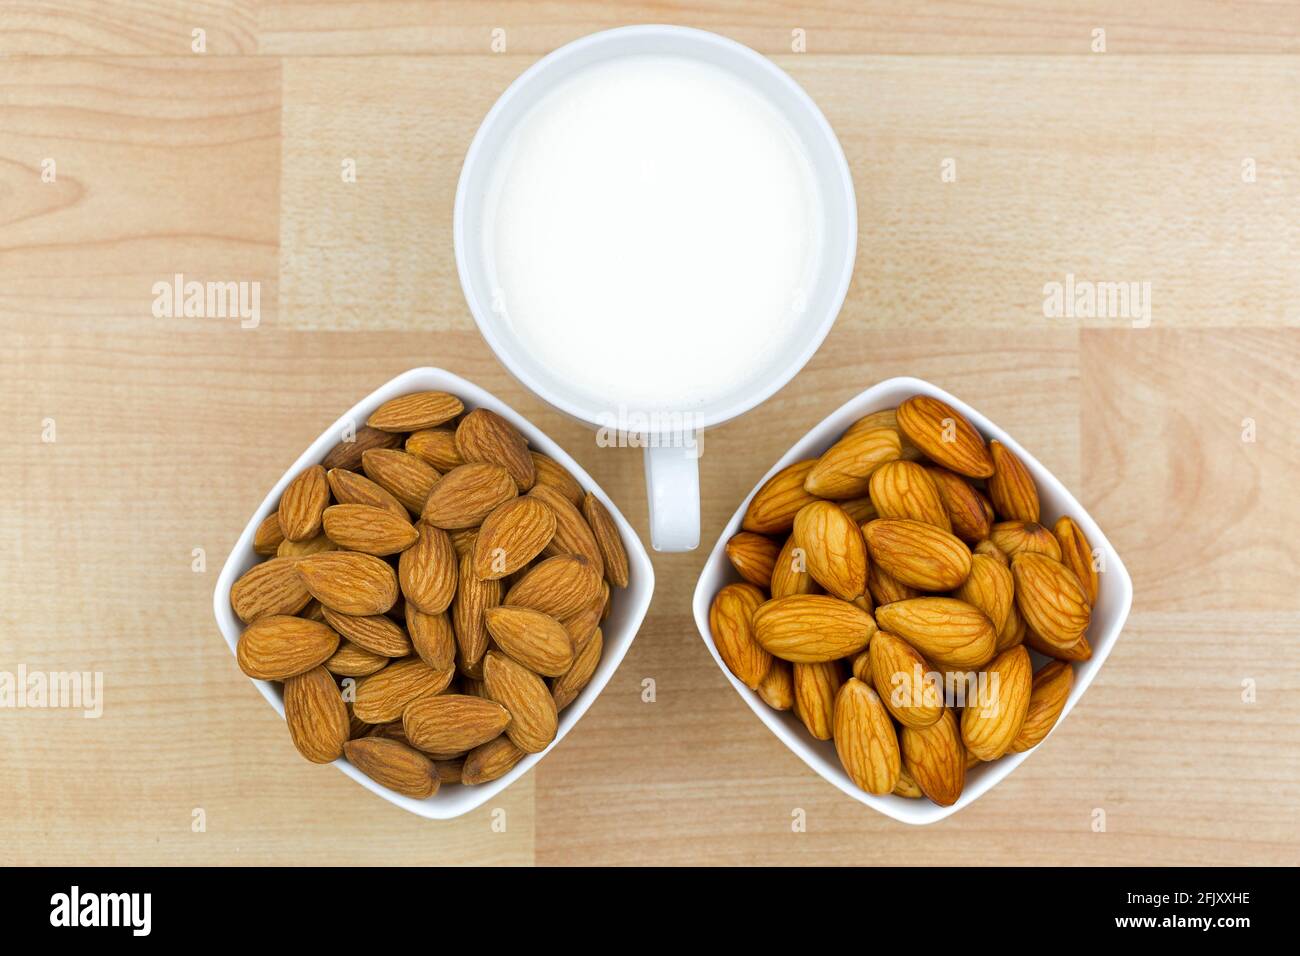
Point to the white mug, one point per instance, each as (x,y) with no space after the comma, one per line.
(672,469)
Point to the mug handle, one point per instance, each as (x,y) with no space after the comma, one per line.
(672,484)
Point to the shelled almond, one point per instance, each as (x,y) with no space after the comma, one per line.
(430,597)
(890,593)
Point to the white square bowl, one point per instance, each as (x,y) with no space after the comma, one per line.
(1113,602)
(629,607)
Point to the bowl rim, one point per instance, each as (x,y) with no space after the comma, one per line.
(454,800)
(717,570)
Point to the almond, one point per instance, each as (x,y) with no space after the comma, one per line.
(436,447)
(353,660)
(903,489)
(845,469)
(536,640)
(383,696)
(918,554)
(990,588)
(272,587)
(1024,537)
(303,503)
(395,765)
(267,537)
(405,477)
(432,637)
(860,665)
(483,435)
(350,488)
(1049,692)
(777,686)
(861,510)
(513,534)
(558,586)
(935,758)
(473,598)
(1014,630)
(903,678)
(790,572)
(1077,555)
(815,686)
(300,549)
(886,418)
(278,647)
(906,786)
(731,619)
(468,494)
(347,453)
(349,582)
(368,529)
(948,632)
(809,628)
(549,472)
(316,715)
(566,688)
(987,547)
(572,533)
(463,541)
(886,589)
(865,738)
(1011,487)
(1080,650)
(453,723)
(753,556)
(989,726)
(409,413)
(945,436)
(491,760)
(964,505)
(525,696)
(450,771)
(374,633)
(773,507)
(582,625)
(427,571)
(1051,599)
(608,540)
(836,553)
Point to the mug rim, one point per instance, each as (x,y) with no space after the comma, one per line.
(762,390)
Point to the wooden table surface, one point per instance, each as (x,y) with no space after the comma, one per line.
(1171,158)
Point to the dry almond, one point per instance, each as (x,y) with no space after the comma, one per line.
(885,588)
(865,738)
(886,418)
(278,647)
(405,477)
(918,554)
(731,622)
(904,489)
(964,505)
(368,529)
(1024,537)
(374,633)
(582,625)
(300,549)
(1080,650)
(468,494)
(753,556)
(436,447)
(409,413)
(815,687)
(906,786)
(1051,599)
(383,696)
(272,587)
(489,761)
(432,637)
(559,586)
(572,533)
(1011,487)
(453,723)
(533,718)
(860,666)
(303,503)
(773,507)
(473,598)
(551,473)
(987,547)
(463,541)
(347,453)
(808,628)
(267,537)
(451,771)
(395,765)
(608,540)
(790,572)
(316,715)
(349,582)
(989,726)
(777,686)
(536,640)
(427,571)
(904,680)
(1077,555)
(586,659)
(945,436)
(350,488)
(1049,692)
(861,510)
(936,759)
(845,469)
(836,553)
(990,588)
(513,534)
(947,631)
(353,660)
(483,435)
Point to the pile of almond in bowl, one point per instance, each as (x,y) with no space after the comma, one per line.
(431,597)
(892,589)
